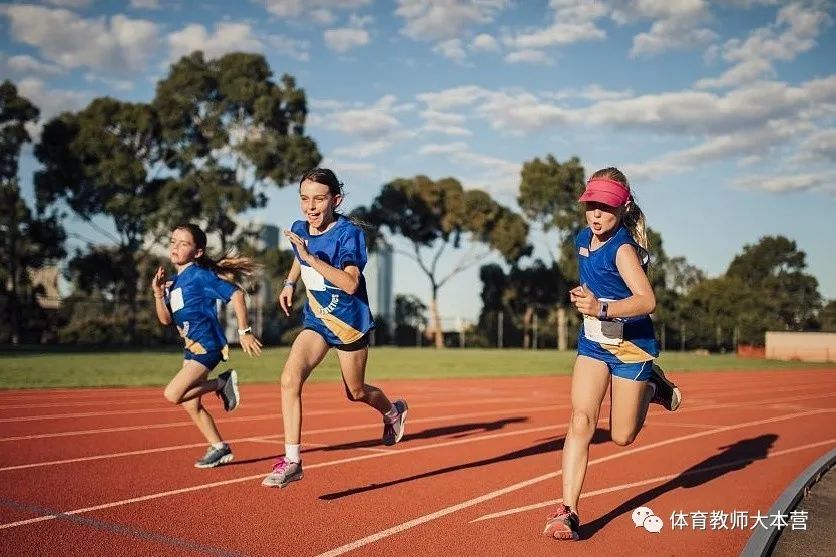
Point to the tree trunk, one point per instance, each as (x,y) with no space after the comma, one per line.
(562,329)
(436,316)
(529,313)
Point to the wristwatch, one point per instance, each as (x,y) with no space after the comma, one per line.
(247,331)
(602,311)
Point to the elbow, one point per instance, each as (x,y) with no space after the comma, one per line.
(651,304)
(353,287)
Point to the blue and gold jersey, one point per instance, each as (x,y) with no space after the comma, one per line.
(599,273)
(339,317)
(191,299)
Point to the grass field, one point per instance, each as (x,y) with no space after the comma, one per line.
(64,368)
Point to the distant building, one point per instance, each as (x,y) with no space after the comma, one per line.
(379,284)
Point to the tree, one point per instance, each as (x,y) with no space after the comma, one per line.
(774,267)
(100,162)
(216,134)
(230,131)
(410,318)
(827,317)
(434,215)
(549,192)
(27,240)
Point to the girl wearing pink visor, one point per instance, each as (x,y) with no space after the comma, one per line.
(616,343)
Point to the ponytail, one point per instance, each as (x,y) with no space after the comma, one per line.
(230,267)
(635,223)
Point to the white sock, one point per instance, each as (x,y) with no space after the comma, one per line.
(218,445)
(391,415)
(291,453)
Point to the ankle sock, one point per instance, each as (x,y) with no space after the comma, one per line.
(291,453)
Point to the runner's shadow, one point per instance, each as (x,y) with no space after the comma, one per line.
(733,457)
(555,444)
(454,431)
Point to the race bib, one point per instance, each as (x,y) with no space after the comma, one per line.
(312,279)
(176,299)
(605,332)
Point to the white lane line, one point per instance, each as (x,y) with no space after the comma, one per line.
(258,417)
(279,437)
(174,408)
(686,409)
(438,514)
(249,478)
(658,479)
(493,494)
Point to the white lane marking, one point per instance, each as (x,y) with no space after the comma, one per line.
(517,486)
(657,479)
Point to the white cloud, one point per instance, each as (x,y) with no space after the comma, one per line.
(27,66)
(292,48)
(68,3)
(376,124)
(51,102)
(592,92)
(492,174)
(445,123)
(320,11)
(118,43)
(484,43)
(145,4)
(527,57)
(345,39)
(819,146)
(451,49)
(571,22)
(795,31)
(788,183)
(228,37)
(430,20)
(117,84)
(676,25)
(453,98)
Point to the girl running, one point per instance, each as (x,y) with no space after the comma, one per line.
(330,256)
(617,343)
(189,301)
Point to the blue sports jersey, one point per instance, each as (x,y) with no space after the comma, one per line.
(191,299)
(339,317)
(599,273)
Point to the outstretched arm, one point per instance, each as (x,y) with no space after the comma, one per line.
(249,342)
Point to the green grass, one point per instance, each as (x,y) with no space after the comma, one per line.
(73,368)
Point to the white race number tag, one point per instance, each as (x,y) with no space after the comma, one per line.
(605,332)
(176,299)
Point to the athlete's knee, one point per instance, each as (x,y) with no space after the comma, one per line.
(622,438)
(582,423)
(173,395)
(291,380)
(355,394)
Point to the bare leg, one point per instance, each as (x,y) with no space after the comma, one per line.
(189,383)
(353,367)
(192,379)
(628,410)
(307,352)
(590,379)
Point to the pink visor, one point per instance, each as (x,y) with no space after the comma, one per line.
(606,191)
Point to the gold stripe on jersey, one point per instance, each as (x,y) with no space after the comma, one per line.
(343,331)
(627,352)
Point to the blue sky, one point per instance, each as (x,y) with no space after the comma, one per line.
(720,113)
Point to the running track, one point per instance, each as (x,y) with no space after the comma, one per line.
(109,471)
